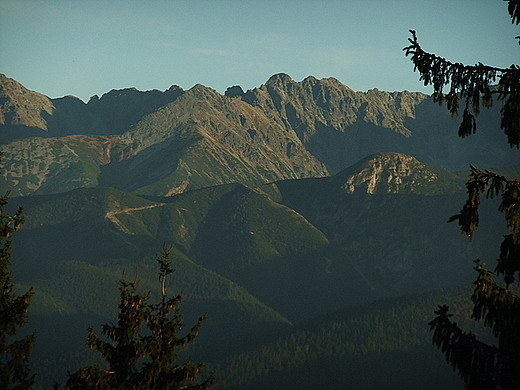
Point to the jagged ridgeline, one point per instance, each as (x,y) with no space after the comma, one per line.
(163,143)
(282,203)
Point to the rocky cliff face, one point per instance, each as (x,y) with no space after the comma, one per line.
(204,138)
(310,104)
(162,143)
(396,173)
(19,106)
(169,142)
(340,126)
(334,122)
(118,110)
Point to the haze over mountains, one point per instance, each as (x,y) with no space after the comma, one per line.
(283,203)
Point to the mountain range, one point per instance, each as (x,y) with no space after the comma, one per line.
(165,143)
(287,206)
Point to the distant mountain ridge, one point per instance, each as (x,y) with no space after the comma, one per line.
(340,126)
(319,110)
(197,138)
(282,203)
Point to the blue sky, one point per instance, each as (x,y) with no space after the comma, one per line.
(83,48)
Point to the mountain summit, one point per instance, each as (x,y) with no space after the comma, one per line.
(169,142)
(396,173)
(341,126)
(21,107)
(204,138)
(333,121)
(274,211)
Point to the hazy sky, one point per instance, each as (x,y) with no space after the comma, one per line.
(87,47)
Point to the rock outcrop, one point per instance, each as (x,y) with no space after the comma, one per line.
(168,142)
(396,173)
(338,125)
(19,106)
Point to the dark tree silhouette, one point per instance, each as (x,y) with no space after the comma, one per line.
(474,85)
(14,354)
(480,365)
(138,359)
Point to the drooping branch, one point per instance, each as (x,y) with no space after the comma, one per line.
(513,8)
(475,85)
(499,307)
(493,184)
(479,182)
(476,362)
(482,366)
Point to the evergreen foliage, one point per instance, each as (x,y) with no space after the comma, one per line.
(475,85)
(480,365)
(391,335)
(14,354)
(143,360)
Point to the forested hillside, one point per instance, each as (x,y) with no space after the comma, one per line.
(299,213)
(385,344)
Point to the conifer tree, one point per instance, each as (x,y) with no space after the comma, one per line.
(14,354)
(480,365)
(143,359)
(475,85)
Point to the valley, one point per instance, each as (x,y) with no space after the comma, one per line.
(307,220)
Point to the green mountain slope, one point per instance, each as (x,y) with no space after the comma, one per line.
(76,295)
(73,249)
(52,165)
(253,258)
(71,240)
(245,228)
(301,247)
(382,345)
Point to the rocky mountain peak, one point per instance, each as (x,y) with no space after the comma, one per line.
(119,109)
(331,82)
(329,118)
(279,78)
(234,91)
(199,91)
(19,106)
(390,173)
(281,130)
